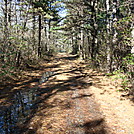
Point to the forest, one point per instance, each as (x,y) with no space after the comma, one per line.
(39,36)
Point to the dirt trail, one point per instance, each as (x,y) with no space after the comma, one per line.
(82,101)
(68,107)
(78,100)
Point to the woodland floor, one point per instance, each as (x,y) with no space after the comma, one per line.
(75,100)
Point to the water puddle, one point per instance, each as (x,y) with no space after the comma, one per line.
(23,103)
(46,76)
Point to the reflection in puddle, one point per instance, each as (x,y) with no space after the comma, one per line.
(18,112)
(22,105)
(45,76)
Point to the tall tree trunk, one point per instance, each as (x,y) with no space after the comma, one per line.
(39,37)
(94,32)
(46,42)
(108,37)
(49,35)
(82,54)
(18,58)
(5,44)
(82,51)
(33,32)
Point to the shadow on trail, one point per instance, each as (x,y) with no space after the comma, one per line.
(70,57)
(82,96)
(93,127)
(24,104)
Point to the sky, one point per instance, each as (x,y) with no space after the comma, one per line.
(63,13)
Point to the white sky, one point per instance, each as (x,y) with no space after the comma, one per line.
(62,13)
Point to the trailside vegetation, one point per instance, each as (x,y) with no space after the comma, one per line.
(98,31)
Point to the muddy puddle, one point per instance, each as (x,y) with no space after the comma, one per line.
(22,104)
